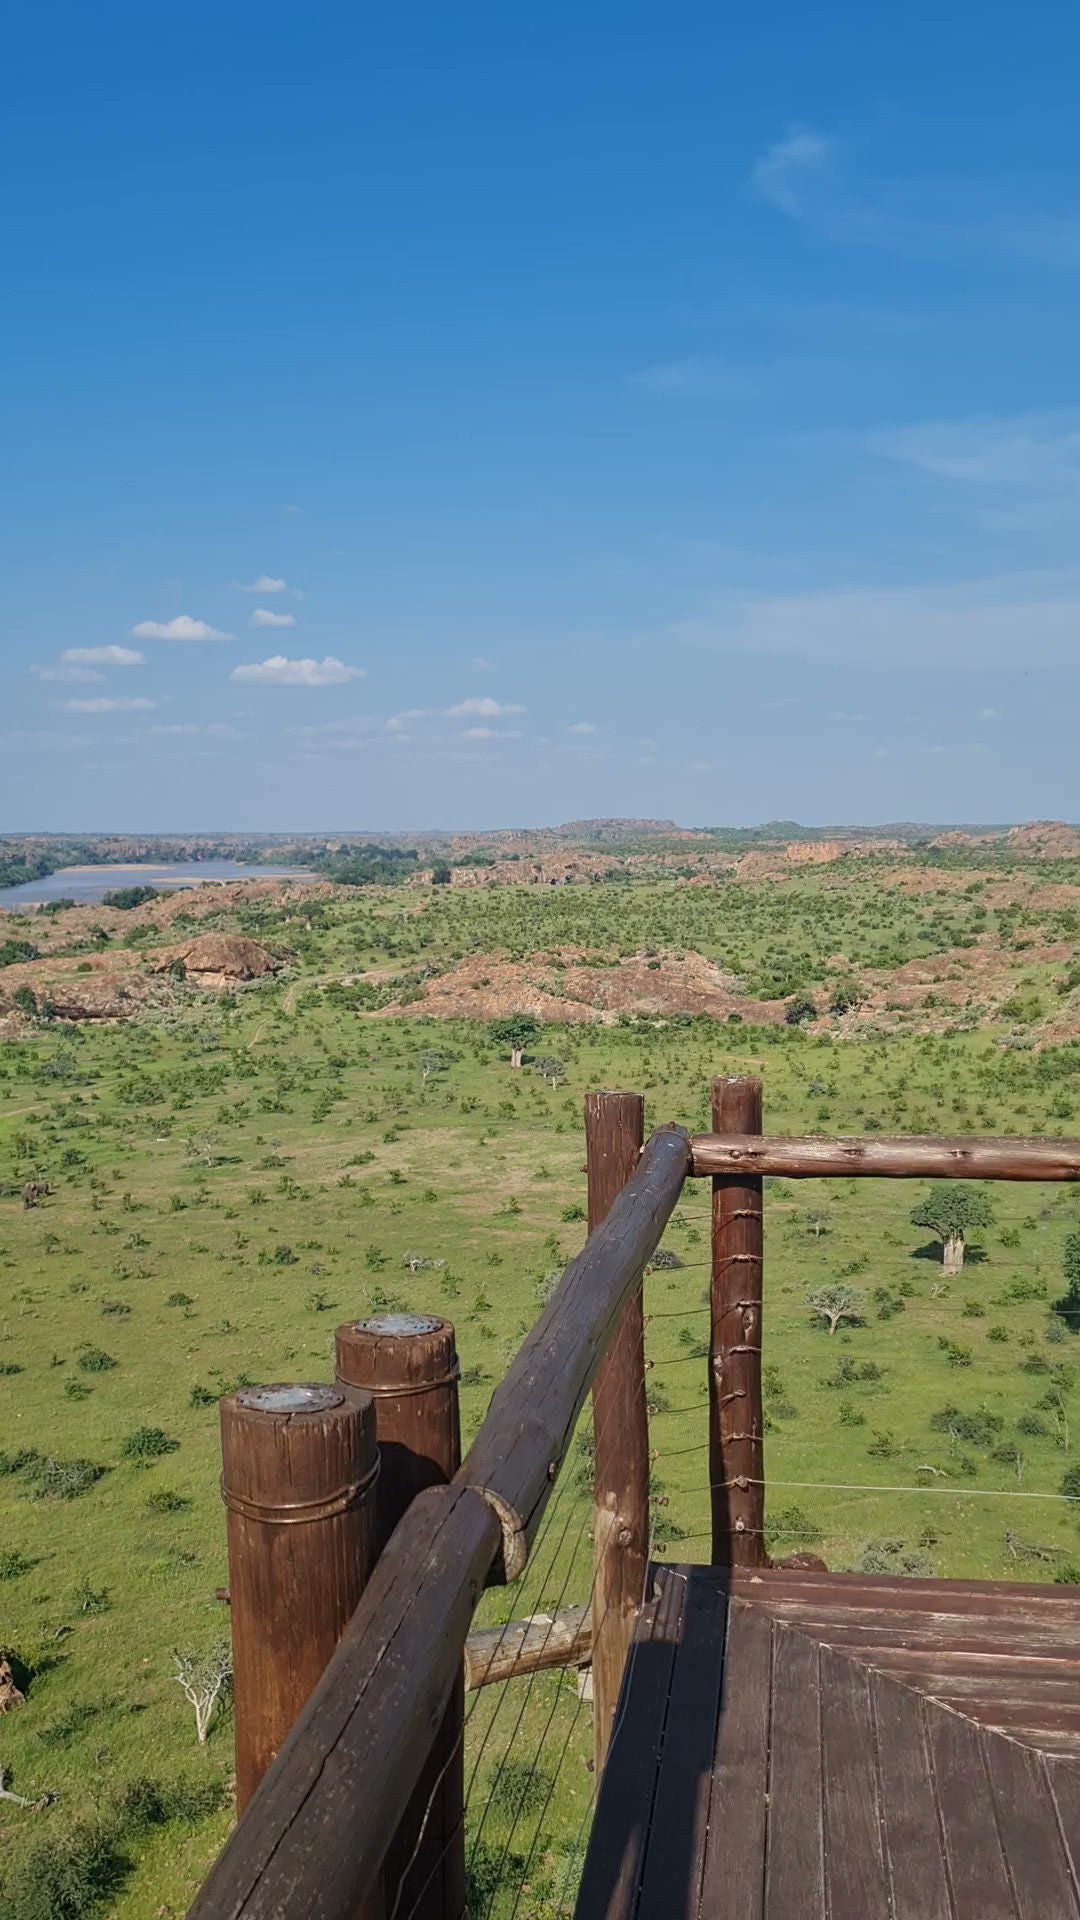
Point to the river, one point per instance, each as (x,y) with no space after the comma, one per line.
(87,884)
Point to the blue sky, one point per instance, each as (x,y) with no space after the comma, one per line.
(486,416)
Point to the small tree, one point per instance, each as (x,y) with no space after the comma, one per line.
(551,1070)
(432,1063)
(799,1010)
(951,1210)
(204,1679)
(516,1032)
(835,1303)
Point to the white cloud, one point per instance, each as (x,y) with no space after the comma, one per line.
(778,173)
(72,674)
(279,672)
(224,730)
(1005,621)
(103,657)
(264,584)
(106,705)
(491,733)
(582,726)
(480,665)
(398,720)
(183,627)
(483,709)
(263,617)
(988,713)
(187,726)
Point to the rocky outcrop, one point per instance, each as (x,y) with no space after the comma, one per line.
(219,961)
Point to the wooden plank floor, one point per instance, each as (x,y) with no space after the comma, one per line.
(809,1746)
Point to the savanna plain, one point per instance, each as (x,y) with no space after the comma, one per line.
(256,1111)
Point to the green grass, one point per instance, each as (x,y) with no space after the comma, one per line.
(231,1180)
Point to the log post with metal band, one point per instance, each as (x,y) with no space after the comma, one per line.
(408,1363)
(299,1470)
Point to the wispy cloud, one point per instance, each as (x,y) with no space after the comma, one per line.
(73,675)
(912,214)
(491,733)
(279,672)
(483,708)
(106,704)
(264,617)
(779,173)
(183,627)
(103,657)
(1001,621)
(265,583)
(698,374)
(582,726)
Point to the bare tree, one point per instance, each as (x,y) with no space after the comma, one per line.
(835,1303)
(204,1679)
(203,1146)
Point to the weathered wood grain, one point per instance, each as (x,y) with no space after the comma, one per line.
(901,1157)
(312,1841)
(614,1132)
(912,1837)
(546,1640)
(733,1881)
(614,1862)
(675,1861)
(408,1364)
(855,1868)
(515,1457)
(795,1858)
(298,1481)
(977,1871)
(1038,1865)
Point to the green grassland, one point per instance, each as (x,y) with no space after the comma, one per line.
(234,1177)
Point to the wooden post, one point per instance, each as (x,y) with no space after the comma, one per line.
(299,1465)
(736,1418)
(408,1363)
(614,1132)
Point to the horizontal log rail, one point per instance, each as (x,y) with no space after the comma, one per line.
(311,1843)
(887,1157)
(562,1639)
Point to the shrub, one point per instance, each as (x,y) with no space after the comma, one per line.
(792,1524)
(520,1787)
(164,1500)
(66,1876)
(95,1360)
(148,1443)
(13,1562)
(893,1557)
(53,1479)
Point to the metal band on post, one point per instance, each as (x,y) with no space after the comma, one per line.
(299,1469)
(408,1363)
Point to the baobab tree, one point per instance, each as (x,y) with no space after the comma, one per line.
(951,1210)
(516,1032)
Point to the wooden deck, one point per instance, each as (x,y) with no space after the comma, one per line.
(810,1746)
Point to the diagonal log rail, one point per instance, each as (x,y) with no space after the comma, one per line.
(311,1843)
(883,1157)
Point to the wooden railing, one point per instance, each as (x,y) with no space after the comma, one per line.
(363,1800)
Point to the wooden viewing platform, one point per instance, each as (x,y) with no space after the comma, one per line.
(771,1742)
(807,1746)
